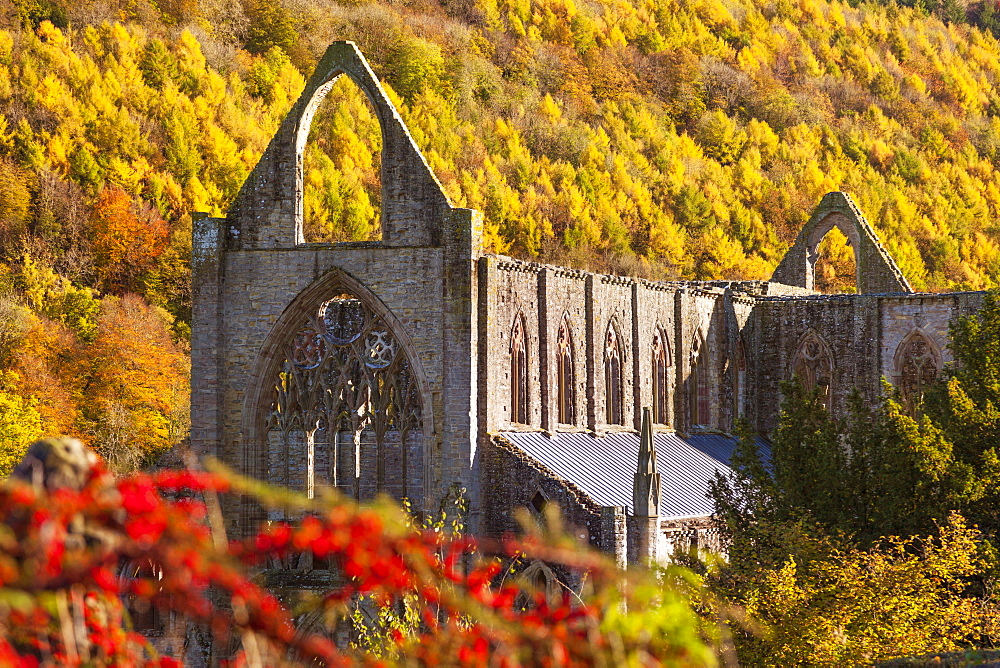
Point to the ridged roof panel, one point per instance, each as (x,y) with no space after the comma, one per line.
(604,466)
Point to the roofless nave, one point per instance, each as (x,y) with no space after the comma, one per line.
(418,363)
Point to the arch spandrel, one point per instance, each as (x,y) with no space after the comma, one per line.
(268,211)
(286,363)
(877,272)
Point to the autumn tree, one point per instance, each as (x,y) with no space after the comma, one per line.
(136,383)
(127,238)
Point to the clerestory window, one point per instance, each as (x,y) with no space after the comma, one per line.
(565,378)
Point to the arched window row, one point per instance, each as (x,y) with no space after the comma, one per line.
(698,380)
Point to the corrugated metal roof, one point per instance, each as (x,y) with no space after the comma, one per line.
(604,466)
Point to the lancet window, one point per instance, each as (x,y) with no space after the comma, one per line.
(346,410)
(518,373)
(918,364)
(739,380)
(565,378)
(613,376)
(661,366)
(813,365)
(699,405)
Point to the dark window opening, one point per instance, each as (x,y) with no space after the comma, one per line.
(698,390)
(538,502)
(518,374)
(613,377)
(567,400)
(661,365)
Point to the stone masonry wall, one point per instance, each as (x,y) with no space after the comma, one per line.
(592,303)
(863,332)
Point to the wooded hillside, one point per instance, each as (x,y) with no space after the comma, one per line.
(665,139)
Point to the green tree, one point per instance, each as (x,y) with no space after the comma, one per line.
(967,407)
(878,472)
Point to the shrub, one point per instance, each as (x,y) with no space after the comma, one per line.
(63,540)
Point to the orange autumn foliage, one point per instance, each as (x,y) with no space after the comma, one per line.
(47,361)
(126,238)
(137,381)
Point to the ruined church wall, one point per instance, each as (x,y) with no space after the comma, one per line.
(654,309)
(501,502)
(931,314)
(252,291)
(612,305)
(848,324)
(695,319)
(507,290)
(700,331)
(863,332)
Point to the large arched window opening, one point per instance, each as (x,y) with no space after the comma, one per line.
(341,168)
(565,377)
(813,365)
(699,402)
(918,364)
(518,373)
(346,410)
(613,376)
(835,267)
(831,255)
(661,380)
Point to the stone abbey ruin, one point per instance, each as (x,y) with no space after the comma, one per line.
(419,363)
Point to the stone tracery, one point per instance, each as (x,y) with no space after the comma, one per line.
(918,364)
(346,410)
(813,365)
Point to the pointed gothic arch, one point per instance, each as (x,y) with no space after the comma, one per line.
(326,187)
(739,379)
(540,578)
(518,371)
(699,384)
(813,365)
(917,364)
(875,270)
(613,394)
(267,212)
(661,376)
(565,377)
(337,397)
